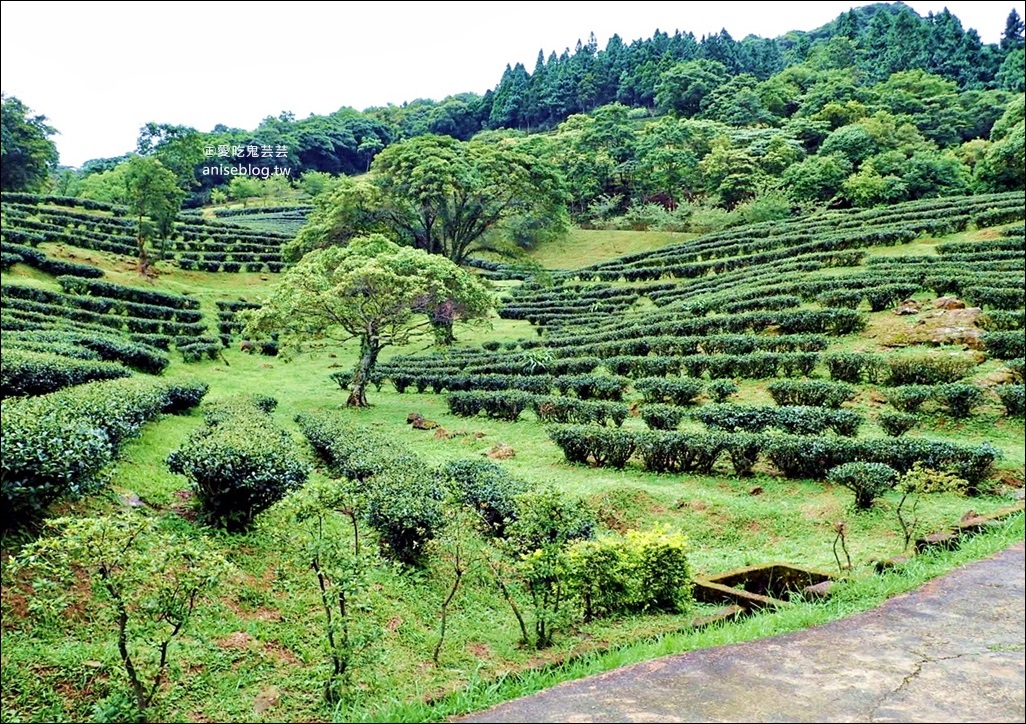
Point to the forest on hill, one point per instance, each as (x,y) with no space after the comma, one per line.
(881,105)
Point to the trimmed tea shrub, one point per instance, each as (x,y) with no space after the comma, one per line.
(674,391)
(662,417)
(868,481)
(958,398)
(811,393)
(720,390)
(485,487)
(57,445)
(896,424)
(853,367)
(26,373)
(1012,398)
(240,464)
(927,369)
(909,398)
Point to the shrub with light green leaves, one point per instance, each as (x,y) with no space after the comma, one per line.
(640,571)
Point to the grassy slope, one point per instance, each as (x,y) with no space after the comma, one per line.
(262,628)
(582,247)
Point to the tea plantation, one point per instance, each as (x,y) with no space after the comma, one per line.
(198,528)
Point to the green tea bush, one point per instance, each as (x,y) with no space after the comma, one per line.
(732,418)
(567,410)
(853,367)
(662,417)
(27,373)
(404,506)
(1005,345)
(593,387)
(927,369)
(958,398)
(499,405)
(239,464)
(1012,397)
(680,452)
(744,450)
(57,445)
(909,398)
(868,481)
(587,443)
(896,424)
(485,487)
(720,390)
(676,391)
(401,496)
(799,456)
(811,393)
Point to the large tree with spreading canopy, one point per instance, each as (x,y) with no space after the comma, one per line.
(376,292)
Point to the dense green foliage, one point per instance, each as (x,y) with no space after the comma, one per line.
(57,445)
(240,463)
(27,155)
(868,481)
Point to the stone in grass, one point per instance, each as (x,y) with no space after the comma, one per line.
(819,590)
(889,563)
(907,307)
(502,451)
(941,539)
(423,424)
(948,303)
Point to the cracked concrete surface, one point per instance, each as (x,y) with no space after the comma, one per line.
(952,650)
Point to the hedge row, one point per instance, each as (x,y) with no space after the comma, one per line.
(26,373)
(73,285)
(401,498)
(56,445)
(38,260)
(108,347)
(958,398)
(795,420)
(794,456)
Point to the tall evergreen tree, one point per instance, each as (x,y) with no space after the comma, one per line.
(1012,37)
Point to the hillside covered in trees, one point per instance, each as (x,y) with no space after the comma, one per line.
(880,105)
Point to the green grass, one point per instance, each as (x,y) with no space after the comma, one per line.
(584,247)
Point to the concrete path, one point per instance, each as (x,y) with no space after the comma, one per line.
(952,650)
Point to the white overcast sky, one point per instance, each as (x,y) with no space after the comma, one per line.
(98,71)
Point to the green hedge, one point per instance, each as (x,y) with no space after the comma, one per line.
(239,464)
(811,393)
(27,373)
(401,497)
(57,445)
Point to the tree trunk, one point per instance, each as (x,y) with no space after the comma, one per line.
(144,259)
(361,375)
